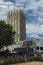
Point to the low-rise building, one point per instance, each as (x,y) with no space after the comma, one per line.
(38,48)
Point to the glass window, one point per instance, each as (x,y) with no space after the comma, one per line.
(37,48)
(41,48)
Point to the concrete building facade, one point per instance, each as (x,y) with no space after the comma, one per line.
(16,18)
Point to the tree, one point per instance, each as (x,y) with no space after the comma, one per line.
(6,34)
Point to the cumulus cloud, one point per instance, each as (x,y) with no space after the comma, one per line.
(34,5)
(4,8)
(34,14)
(34,30)
(34,36)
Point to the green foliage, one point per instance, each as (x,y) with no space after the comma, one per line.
(6,34)
(2,22)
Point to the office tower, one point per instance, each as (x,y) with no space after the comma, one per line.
(16,18)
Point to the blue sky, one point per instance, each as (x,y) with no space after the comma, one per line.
(34,15)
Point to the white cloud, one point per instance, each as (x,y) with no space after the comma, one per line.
(25,5)
(34,28)
(41,26)
(34,36)
(21,1)
(4,8)
(35,6)
(1,0)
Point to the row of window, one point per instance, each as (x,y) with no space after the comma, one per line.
(41,48)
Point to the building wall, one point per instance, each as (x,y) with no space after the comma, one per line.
(16,18)
(22,26)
